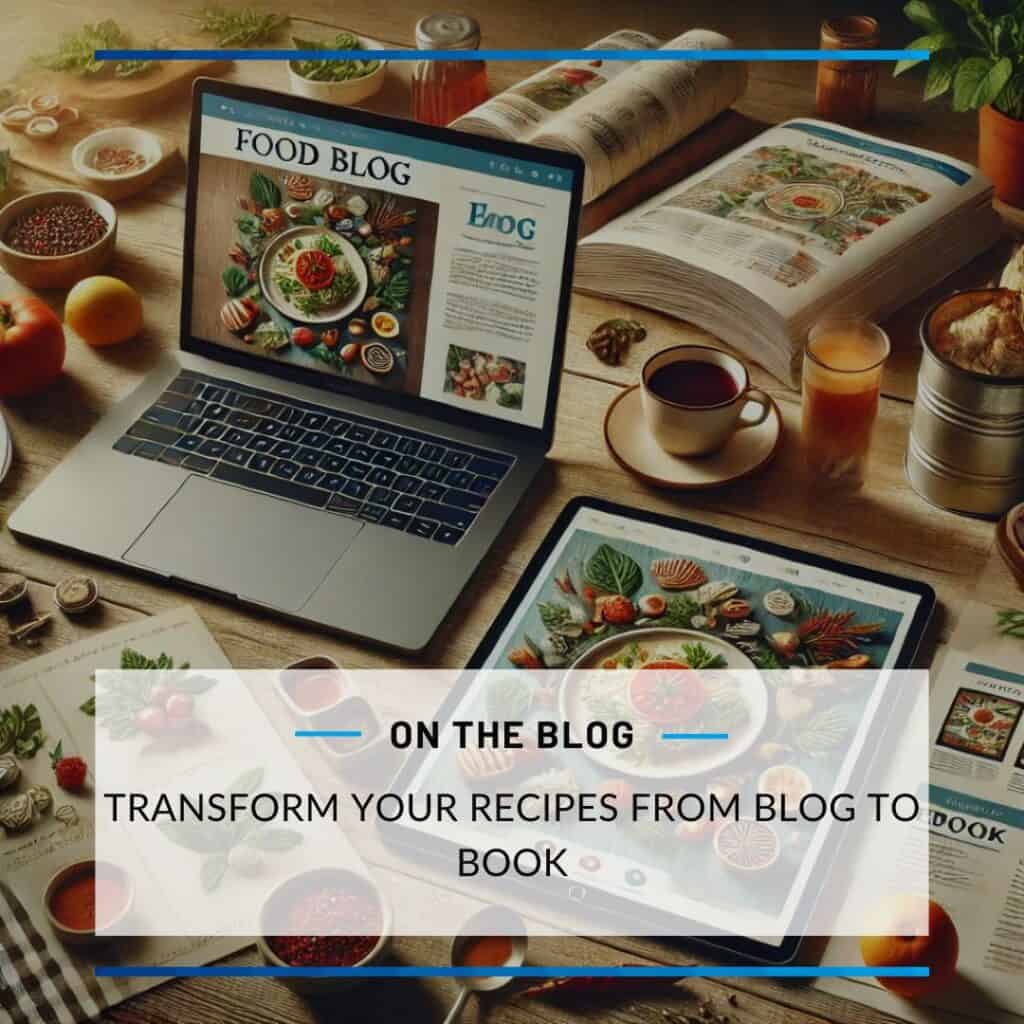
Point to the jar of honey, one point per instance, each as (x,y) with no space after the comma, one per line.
(443,90)
(846,88)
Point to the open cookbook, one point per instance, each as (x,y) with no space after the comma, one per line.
(617,116)
(806,221)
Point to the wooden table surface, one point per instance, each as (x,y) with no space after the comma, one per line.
(884,526)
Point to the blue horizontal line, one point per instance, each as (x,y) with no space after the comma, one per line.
(542,55)
(512,972)
(694,735)
(341,733)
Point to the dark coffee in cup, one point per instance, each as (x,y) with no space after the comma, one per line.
(694,383)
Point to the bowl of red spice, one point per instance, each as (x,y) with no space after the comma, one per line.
(324,918)
(55,238)
(118,162)
(86,897)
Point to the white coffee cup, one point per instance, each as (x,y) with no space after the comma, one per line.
(699,429)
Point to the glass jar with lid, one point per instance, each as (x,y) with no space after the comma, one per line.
(443,90)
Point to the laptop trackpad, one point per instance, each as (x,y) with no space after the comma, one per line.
(257,547)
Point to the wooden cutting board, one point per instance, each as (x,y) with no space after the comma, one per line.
(136,97)
(53,156)
(105,102)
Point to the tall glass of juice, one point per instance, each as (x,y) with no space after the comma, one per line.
(842,376)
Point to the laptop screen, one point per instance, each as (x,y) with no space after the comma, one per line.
(408,261)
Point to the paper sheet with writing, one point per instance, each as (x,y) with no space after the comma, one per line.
(976,826)
(60,685)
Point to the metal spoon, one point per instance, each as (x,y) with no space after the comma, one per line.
(498,921)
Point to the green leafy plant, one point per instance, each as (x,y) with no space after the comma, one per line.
(240,27)
(976,52)
(5,168)
(332,70)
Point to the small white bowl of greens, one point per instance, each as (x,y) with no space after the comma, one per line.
(343,82)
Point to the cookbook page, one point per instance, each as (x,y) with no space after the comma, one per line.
(43,702)
(543,99)
(653,105)
(975,824)
(799,211)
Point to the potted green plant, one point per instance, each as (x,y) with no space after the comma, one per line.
(976,52)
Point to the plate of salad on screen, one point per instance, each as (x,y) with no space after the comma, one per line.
(312,274)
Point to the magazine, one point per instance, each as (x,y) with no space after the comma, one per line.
(804,222)
(616,116)
(975,825)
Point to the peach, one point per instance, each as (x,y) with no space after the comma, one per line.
(937,950)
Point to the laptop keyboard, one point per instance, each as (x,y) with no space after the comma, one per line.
(408,480)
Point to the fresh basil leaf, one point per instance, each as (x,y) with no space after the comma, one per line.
(941,69)
(979,81)
(613,571)
(89,707)
(933,42)
(1011,100)
(924,15)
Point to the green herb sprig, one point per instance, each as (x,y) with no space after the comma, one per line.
(76,52)
(241,28)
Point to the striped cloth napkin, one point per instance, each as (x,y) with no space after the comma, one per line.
(40,983)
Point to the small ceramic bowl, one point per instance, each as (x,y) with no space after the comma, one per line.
(118,186)
(86,936)
(293,887)
(350,713)
(288,676)
(341,94)
(57,271)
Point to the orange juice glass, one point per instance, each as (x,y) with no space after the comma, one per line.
(842,377)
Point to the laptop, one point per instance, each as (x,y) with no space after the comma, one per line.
(373,323)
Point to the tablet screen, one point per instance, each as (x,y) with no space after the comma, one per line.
(686,594)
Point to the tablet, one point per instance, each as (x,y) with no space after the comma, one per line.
(674,573)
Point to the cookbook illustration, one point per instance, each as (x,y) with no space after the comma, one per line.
(821,204)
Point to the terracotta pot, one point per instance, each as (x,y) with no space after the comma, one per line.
(1001,153)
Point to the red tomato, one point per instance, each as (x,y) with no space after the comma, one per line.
(31,345)
(314,268)
(808,202)
(303,337)
(672,695)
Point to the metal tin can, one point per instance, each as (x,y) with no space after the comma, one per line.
(966,450)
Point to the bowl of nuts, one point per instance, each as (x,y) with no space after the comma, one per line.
(55,238)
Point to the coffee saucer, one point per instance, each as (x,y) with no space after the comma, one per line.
(634,449)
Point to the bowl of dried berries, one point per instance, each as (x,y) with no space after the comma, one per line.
(53,239)
(325,918)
